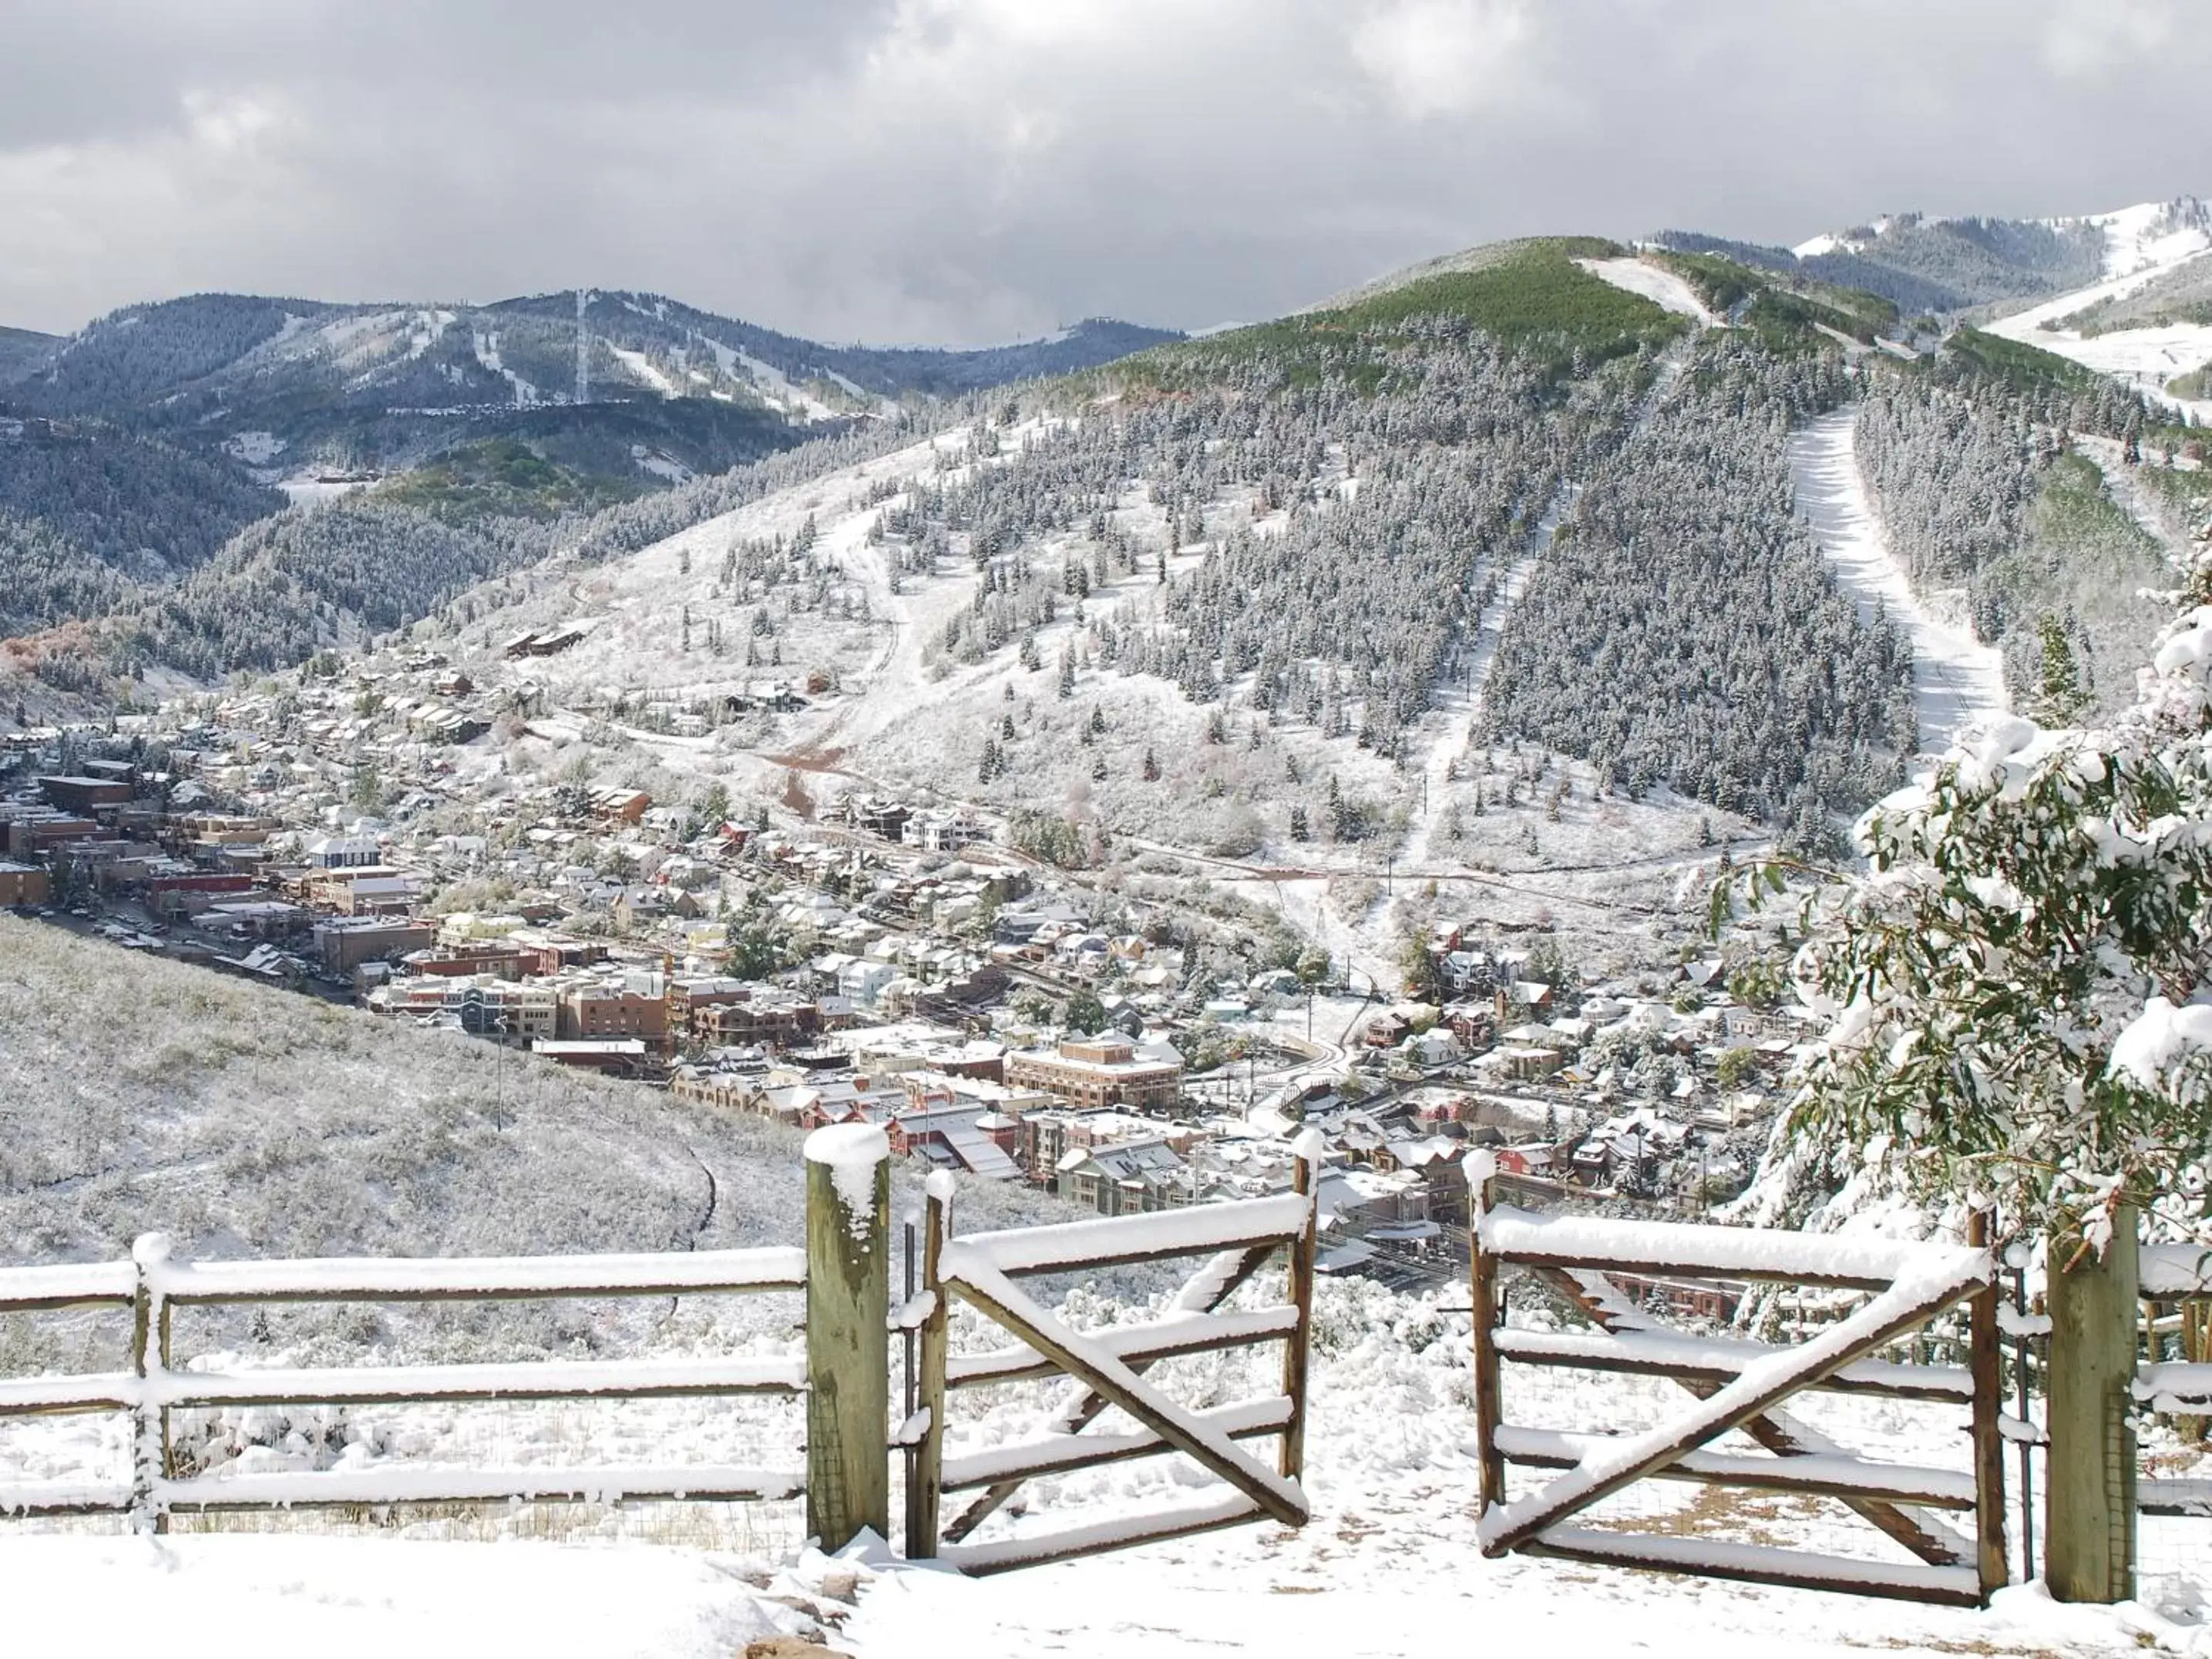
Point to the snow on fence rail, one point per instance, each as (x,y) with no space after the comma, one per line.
(1239,1239)
(152,1284)
(2175,1288)
(843,1375)
(1739,1384)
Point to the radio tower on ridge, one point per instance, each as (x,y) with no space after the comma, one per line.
(583,349)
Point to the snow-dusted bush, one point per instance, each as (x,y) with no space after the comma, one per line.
(2019,988)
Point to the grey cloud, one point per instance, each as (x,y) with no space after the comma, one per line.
(972,169)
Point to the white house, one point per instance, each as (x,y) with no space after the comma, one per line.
(865,979)
(344,852)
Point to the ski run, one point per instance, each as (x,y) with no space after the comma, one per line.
(1958,681)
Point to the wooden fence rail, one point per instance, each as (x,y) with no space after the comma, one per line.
(842,1376)
(153,1284)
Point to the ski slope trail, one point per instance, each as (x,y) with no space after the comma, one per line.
(1957,683)
(1458,701)
(1653,283)
(2127,490)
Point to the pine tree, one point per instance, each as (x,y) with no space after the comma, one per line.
(2059,698)
(1152,766)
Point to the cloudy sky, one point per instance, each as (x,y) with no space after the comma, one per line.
(963,171)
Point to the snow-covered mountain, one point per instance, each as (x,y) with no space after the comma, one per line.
(177,359)
(2147,321)
(1956,265)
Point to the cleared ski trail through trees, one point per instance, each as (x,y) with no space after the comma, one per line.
(1654,282)
(1957,683)
(2134,499)
(1460,700)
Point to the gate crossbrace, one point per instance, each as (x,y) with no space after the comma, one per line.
(1906,1305)
(1932,1540)
(1210,1286)
(996,1296)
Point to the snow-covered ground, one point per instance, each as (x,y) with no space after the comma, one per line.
(281,1597)
(782,390)
(1431,1603)
(2143,359)
(1958,681)
(1663,287)
(2150,237)
(253,448)
(307,490)
(1458,702)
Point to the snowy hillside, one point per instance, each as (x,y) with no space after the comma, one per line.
(2147,320)
(137,1095)
(1958,681)
(873,635)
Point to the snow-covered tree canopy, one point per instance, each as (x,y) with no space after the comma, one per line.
(2021,986)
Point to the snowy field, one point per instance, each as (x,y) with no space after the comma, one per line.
(2143,359)
(248,1597)
(1957,683)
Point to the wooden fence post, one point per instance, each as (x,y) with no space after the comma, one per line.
(1297,1349)
(848,1284)
(1988,1370)
(925,1491)
(2089,1499)
(149,1358)
(1489,1395)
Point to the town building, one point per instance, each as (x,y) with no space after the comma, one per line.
(22,885)
(1096,1072)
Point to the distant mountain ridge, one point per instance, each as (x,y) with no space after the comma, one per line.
(1956,264)
(225,356)
(627,393)
(457,435)
(22,350)
(136,450)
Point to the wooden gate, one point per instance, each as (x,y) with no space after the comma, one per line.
(1740,1384)
(1108,1368)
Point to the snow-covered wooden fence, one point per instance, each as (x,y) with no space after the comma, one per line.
(1106,1369)
(2174,1375)
(153,1284)
(1740,1384)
